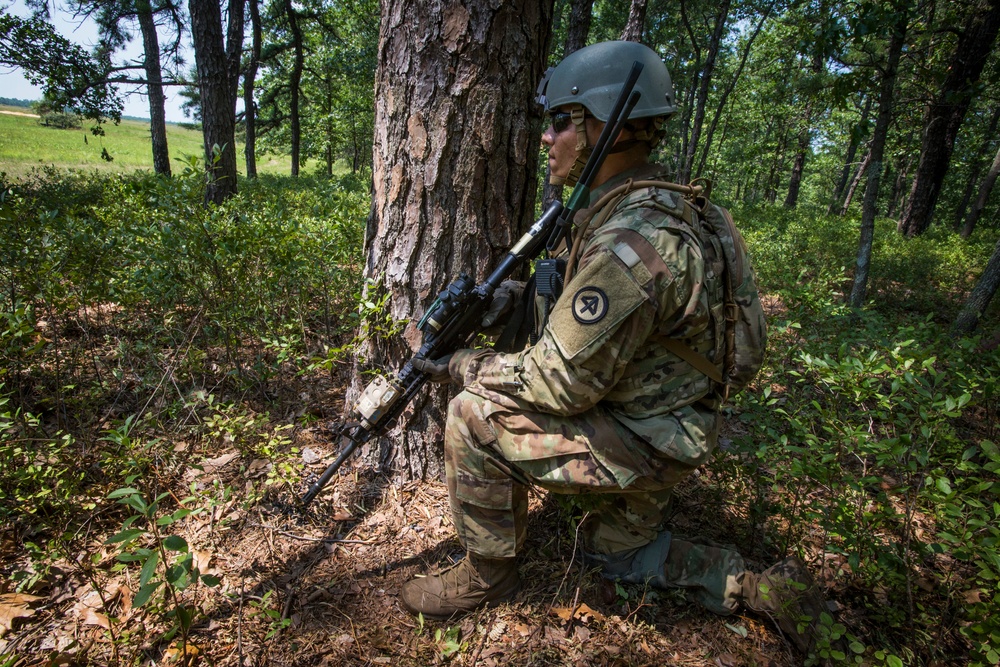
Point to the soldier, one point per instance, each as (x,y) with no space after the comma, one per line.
(599,404)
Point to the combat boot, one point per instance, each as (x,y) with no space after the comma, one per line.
(471,583)
(788,595)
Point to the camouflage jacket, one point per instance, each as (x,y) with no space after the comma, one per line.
(641,280)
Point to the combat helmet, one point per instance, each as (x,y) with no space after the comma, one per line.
(589,81)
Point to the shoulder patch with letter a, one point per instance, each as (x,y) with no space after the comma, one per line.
(590,305)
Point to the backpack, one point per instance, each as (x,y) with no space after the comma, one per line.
(745,325)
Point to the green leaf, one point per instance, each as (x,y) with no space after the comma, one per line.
(175,543)
(145,592)
(210,580)
(893,661)
(125,535)
(118,493)
(943,485)
(149,568)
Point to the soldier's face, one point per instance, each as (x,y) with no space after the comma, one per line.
(560,138)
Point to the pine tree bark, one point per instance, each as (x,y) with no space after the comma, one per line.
(946,113)
(980,297)
(577,31)
(218,96)
(154,87)
(636,22)
(295,84)
(984,195)
(249,80)
(887,86)
(454,172)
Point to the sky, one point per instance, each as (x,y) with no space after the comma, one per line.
(13,84)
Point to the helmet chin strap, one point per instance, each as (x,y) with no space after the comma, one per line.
(583,149)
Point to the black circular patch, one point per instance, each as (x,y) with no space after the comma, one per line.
(590,305)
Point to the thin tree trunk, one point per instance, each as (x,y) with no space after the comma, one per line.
(862,265)
(799,164)
(976,166)
(636,22)
(862,168)
(454,171)
(249,79)
(899,185)
(729,89)
(984,195)
(154,87)
(980,297)
(704,87)
(852,151)
(947,113)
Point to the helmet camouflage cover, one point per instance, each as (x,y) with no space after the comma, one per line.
(593,76)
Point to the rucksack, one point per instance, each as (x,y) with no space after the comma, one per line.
(745,327)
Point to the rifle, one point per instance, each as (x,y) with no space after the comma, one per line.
(455,317)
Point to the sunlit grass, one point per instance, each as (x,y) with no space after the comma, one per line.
(27,145)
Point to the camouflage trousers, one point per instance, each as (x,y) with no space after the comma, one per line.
(493,452)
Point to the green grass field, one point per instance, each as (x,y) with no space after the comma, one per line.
(26,145)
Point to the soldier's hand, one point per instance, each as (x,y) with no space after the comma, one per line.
(437,369)
(505,298)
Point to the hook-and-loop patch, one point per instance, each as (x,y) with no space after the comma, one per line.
(599,297)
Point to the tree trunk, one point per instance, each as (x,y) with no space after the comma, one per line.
(899,185)
(984,195)
(154,87)
(979,300)
(798,166)
(249,78)
(577,31)
(876,152)
(852,151)
(704,87)
(636,22)
(295,84)
(976,166)
(454,171)
(855,182)
(218,113)
(729,89)
(947,112)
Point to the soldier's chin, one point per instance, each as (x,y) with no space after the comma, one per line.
(556,180)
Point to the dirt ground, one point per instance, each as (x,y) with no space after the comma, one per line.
(320,588)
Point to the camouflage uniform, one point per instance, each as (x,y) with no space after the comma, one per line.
(598,405)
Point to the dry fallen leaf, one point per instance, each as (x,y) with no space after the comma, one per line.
(13,606)
(583,613)
(174,655)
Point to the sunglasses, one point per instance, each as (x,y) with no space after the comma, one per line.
(560,120)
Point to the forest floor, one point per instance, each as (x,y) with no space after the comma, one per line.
(321,587)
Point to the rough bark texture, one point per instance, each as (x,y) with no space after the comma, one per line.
(946,113)
(218,97)
(636,22)
(984,195)
(154,89)
(454,173)
(886,87)
(979,300)
(249,79)
(577,31)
